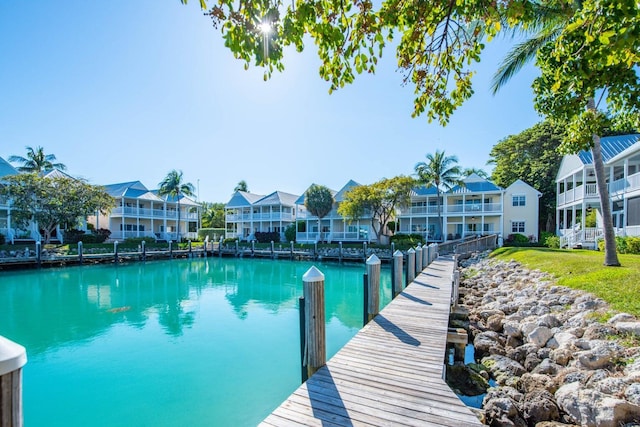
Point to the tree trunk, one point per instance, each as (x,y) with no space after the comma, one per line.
(610,254)
(178,225)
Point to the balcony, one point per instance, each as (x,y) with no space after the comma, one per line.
(625,185)
(132,212)
(578,193)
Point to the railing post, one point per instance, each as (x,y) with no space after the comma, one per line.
(115,252)
(315,353)
(411,265)
(340,252)
(39,253)
(12,358)
(397,273)
(373,287)
(418,259)
(144,250)
(80,252)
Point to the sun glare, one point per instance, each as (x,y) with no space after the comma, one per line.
(265,27)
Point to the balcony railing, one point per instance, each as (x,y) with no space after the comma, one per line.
(578,193)
(133,212)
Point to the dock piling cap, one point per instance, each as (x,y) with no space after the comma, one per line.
(313,275)
(373,260)
(397,253)
(12,356)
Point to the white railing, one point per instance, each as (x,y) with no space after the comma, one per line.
(632,230)
(307,236)
(634,181)
(8,233)
(591,190)
(345,236)
(127,234)
(155,213)
(421,210)
(618,186)
(238,217)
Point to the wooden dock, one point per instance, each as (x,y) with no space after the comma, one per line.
(391,372)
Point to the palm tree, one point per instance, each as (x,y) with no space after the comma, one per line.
(173,186)
(549,25)
(36,161)
(480,172)
(242,186)
(319,201)
(440,171)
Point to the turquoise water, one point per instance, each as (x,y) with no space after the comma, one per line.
(200,342)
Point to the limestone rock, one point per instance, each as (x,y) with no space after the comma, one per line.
(540,406)
(539,336)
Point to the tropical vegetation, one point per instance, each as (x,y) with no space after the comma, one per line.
(532,156)
(174,186)
(318,200)
(55,201)
(36,161)
(378,200)
(441,172)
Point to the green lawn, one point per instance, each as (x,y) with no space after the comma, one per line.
(583,269)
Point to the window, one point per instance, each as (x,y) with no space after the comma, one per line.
(517,227)
(193,227)
(519,200)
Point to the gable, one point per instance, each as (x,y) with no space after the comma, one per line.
(570,164)
(6,168)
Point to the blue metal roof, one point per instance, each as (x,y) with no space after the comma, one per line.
(6,168)
(425,191)
(127,189)
(611,147)
(476,187)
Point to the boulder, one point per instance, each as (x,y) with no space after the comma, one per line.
(532,382)
(590,408)
(600,354)
(501,408)
(628,328)
(540,406)
(486,343)
(561,356)
(465,381)
(621,317)
(539,336)
(547,367)
(494,322)
(632,393)
(501,367)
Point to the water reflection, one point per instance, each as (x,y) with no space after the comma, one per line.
(50,308)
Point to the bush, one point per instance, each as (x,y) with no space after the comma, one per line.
(290,233)
(302,226)
(229,241)
(624,245)
(267,236)
(138,240)
(517,239)
(405,241)
(213,233)
(2,239)
(75,236)
(549,240)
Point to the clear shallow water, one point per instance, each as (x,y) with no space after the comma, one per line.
(168,343)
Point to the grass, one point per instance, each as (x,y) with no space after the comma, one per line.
(584,269)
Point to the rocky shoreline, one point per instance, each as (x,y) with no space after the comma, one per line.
(555,360)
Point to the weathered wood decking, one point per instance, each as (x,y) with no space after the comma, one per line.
(391,372)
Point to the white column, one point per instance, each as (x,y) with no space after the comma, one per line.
(124,208)
(626,174)
(138,217)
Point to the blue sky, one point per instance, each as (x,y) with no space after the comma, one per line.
(128,90)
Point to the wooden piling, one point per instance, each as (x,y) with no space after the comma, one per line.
(418,259)
(365,299)
(396,278)
(237,248)
(115,252)
(80,252)
(340,252)
(291,250)
(190,252)
(12,358)
(411,266)
(272,250)
(220,247)
(144,250)
(303,374)
(364,251)
(315,352)
(39,253)
(170,249)
(315,250)
(253,248)
(373,288)
(425,256)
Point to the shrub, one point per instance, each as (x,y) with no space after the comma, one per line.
(229,241)
(517,239)
(405,241)
(267,236)
(213,233)
(624,245)
(73,236)
(290,233)
(552,241)
(138,240)
(633,245)
(102,234)
(302,226)
(2,239)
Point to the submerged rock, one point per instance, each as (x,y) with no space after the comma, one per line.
(465,381)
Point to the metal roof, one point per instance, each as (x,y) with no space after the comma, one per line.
(339,196)
(425,191)
(6,168)
(126,189)
(476,187)
(279,198)
(611,147)
(243,198)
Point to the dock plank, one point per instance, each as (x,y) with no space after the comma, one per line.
(391,372)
